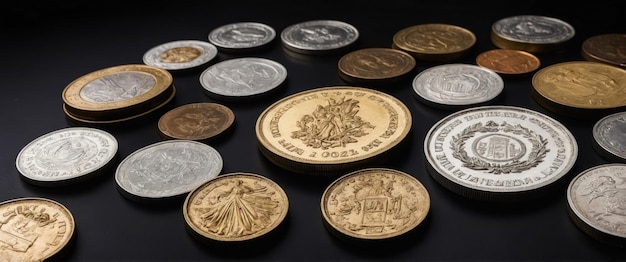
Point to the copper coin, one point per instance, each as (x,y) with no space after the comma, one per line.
(375,65)
(508,61)
(607,48)
(196,121)
(434,42)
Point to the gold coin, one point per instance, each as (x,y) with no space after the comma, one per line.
(375,65)
(375,204)
(434,42)
(196,121)
(34,229)
(606,48)
(331,129)
(235,207)
(508,61)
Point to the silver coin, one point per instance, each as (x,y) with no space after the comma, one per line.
(167,169)
(457,85)
(244,35)
(65,155)
(180,55)
(597,202)
(533,29)
(499,153)
(318,36)
(242,77)
(609,134)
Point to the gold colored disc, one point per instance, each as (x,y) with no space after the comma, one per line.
(196,121)
(34,229)
(508,61)
(235,207)
(331,129)
(434,42)
(375,204)
(375,65)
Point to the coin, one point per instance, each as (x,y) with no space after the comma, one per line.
(319,37)
(499,153)
(609,137)
(242,36)
(375,204)
(235,207)
(375,65)
(434,42)
(242,78)
(455,86)
(327,130)
(596,202)
(196,121)
(34,229)
(65,155)
(167,169)
(606,48)
(180,55)
(580,88)
(508,62)
(531,33)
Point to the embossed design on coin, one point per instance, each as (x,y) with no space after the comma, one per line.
(508,62)
(375,204)
(606,48)
(235,207)
(374,65)
(500,153)
(242,36)
(180,55)
(167,169)
(531,33)
(319,36)
(434,42)
(34,229)
(196,121)
(609,134)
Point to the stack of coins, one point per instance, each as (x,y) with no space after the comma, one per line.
(531,33)
(117,94)
(434,42)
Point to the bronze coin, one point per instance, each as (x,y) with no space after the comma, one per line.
(375,65)
(607,48)
(196,121)
(508,61)
(434,42)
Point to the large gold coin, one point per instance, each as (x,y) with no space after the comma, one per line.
(235,207)
(375,204)
(434,42)
(196,121)
(375,66)
(33,229)
(331,129)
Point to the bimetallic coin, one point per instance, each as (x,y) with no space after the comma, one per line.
(167,169)
(66,155)
(499,153)
(328,130)
(508,62)
(606,48)
(531,33)
(609,137)
(319,37)
(597,202)
(375,204)
(454,86)
(235,207)
(196,121)
(180,55)
(434,42)
(242,78)
(375,65)
(242,36)
(34,229)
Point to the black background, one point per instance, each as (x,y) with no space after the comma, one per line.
(49,44)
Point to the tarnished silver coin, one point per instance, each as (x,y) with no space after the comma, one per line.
(167,169)
(597,202)
(319,36)
(457,85)
(242,36)
(609,137)
(532,33)
(242,78)
(66,155)
(180,55)
(499,153)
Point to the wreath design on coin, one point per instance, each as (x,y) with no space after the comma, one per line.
(536,155)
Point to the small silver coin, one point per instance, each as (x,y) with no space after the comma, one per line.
(180,55)
(65,155)
(319,36)
(242,36)
(609,135)
(499,153)
(533,29)
(167,169)
(457,85)
(241,78)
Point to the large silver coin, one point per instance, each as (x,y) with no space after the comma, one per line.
(597,202)
(242,78)
(499,153)
(241,36)
(180,55)
(65,155)
(457,85)
(319,36)
(609,135)
(167,169)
